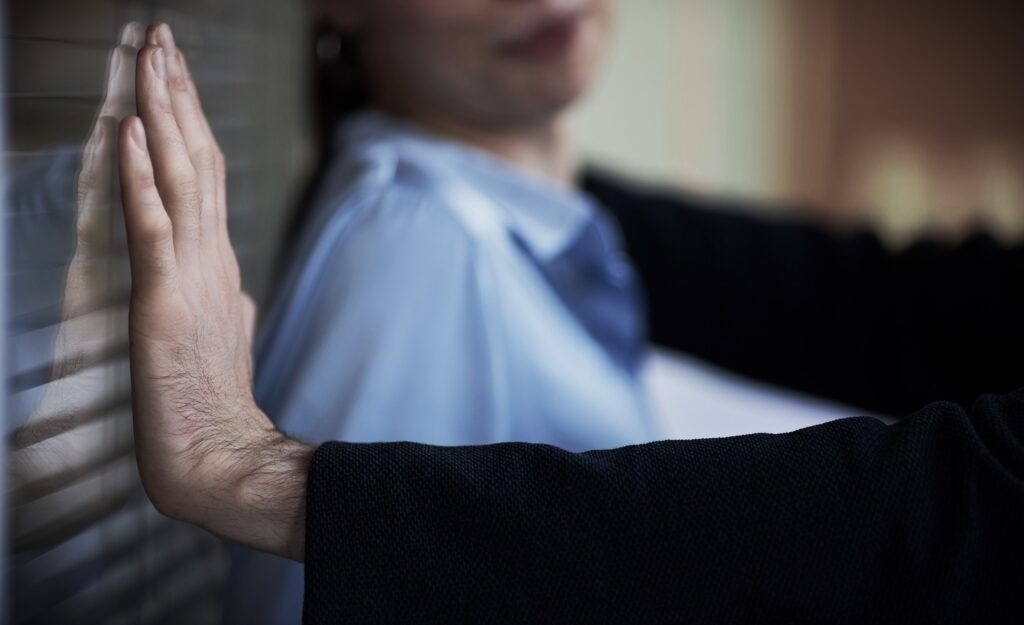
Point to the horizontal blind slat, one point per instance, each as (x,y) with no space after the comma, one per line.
(125,581)
(67,511)
(57,370)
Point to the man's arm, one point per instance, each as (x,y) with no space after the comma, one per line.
(836,315)
(851,521)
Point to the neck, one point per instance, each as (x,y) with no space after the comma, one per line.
(541,150)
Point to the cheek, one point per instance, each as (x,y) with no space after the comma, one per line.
(417,53)
(591,47)
(439,37)
(452,69)
(560,81)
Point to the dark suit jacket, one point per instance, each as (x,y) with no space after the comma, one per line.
(835,315)
(852,521)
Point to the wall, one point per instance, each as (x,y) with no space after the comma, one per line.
(918,112)
(904,114)
(690,95)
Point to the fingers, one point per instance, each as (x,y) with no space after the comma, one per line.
(94,190)
(149,229)
(206,156)
(227,252)
(199,140)
(95,184)
(188,164)
(175,177)
(119,99)
(184,94)
(202,146)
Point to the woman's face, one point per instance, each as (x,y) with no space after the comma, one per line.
(499,63)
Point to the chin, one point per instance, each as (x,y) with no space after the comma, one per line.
(559,94)
(554,102)
(561,84)
(544,94)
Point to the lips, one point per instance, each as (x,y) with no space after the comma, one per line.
(549,39)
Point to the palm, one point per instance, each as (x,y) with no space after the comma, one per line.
(190,324)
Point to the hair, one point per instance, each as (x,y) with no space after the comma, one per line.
(339,88)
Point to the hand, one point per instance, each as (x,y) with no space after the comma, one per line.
(63,440)
(206,453)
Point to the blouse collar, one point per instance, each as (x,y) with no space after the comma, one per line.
(543,216)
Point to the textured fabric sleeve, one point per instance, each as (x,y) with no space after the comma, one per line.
(852,521)
(836,315)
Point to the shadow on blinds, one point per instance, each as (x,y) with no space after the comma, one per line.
(87,546)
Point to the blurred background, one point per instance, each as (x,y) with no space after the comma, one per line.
(902,115)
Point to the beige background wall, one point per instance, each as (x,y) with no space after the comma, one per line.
(690,94)
(906,114)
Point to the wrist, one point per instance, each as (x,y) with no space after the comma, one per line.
(271,497)
(249,488)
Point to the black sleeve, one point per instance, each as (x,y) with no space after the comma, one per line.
(852,521)
(836,315)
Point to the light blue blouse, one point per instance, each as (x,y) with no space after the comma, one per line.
(440,296)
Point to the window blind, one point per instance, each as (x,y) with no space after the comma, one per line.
(86,546)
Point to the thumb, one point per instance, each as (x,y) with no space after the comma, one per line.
(149,229)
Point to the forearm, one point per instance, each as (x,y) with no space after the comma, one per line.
(851,521)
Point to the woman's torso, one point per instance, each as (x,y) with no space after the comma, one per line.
(438,296)
(547,329)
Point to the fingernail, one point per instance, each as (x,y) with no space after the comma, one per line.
(166,38)
(137,134)
(159,65)
(130,34)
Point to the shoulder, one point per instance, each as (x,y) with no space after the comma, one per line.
(408,193)
(402,227)
(395,223)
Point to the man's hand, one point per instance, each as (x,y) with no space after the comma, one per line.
(206,453)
